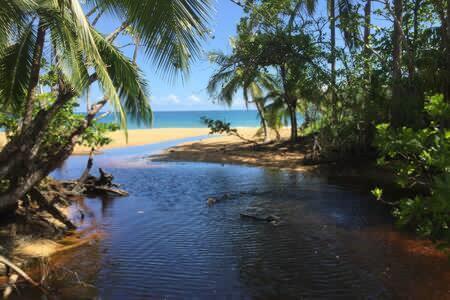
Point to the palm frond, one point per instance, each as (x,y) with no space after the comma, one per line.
(68,57)
(128,79)
(87,43)
(15,66)
(13,14)
(171,31)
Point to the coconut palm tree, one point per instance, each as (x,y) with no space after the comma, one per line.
(169,31)
(232,77)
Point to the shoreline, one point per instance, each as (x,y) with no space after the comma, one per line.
(279,155)
(136,137)
(228,149)
(139,137)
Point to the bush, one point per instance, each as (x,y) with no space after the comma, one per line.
(421,161)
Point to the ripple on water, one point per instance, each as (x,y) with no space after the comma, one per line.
(164,241)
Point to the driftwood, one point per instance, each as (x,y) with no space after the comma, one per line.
(45,204)
(88,168)
(94,185)
(12,280)
(103,184)
(21,273)
(110,190)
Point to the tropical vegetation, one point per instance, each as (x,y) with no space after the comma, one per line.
(371,79)
(51,54)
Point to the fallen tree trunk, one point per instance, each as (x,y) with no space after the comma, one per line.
(46,204)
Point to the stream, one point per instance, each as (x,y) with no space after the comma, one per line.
(164,242)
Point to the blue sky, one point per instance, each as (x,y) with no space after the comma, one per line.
(191,93)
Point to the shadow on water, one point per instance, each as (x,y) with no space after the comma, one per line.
(163,241)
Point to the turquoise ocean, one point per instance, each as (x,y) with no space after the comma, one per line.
(192,119)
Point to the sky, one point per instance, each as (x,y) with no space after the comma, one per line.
(189,94)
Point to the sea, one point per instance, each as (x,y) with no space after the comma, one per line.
(193,119)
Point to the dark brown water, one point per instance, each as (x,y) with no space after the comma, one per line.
(164,242)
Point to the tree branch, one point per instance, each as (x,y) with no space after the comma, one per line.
(113,35)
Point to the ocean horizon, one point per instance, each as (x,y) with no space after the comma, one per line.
(192,119)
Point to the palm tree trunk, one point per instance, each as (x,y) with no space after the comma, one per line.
(332,12)
(293,118)
(411,44)
(34,75)
(367,24)
(447,44)
(30,170)
(27,143)
(290,103)
(396,108)
(260,109)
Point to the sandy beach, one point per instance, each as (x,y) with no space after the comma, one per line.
(219,149)
(233,150)
(138,137)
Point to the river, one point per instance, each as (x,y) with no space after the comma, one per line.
(165,242)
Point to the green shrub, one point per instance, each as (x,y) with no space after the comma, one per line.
(421,161)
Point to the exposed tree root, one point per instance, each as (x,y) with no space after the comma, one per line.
(21,273)
(42,213)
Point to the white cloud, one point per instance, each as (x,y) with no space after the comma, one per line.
(194,98)
(173,99)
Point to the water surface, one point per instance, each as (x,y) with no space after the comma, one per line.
(164,242)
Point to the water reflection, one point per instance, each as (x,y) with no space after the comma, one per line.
(163,241)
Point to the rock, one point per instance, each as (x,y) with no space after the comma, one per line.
(260,215)
(211,201)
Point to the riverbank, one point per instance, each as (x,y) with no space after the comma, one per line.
(233,150)
(278,154)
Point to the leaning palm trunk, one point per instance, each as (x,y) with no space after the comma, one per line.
(26,144)
(32,164)
(264,126)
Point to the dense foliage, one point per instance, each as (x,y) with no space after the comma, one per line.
(421,160)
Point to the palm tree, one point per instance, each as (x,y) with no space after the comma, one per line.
(366,38)
(169,32)
(397,106)
(232,76)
